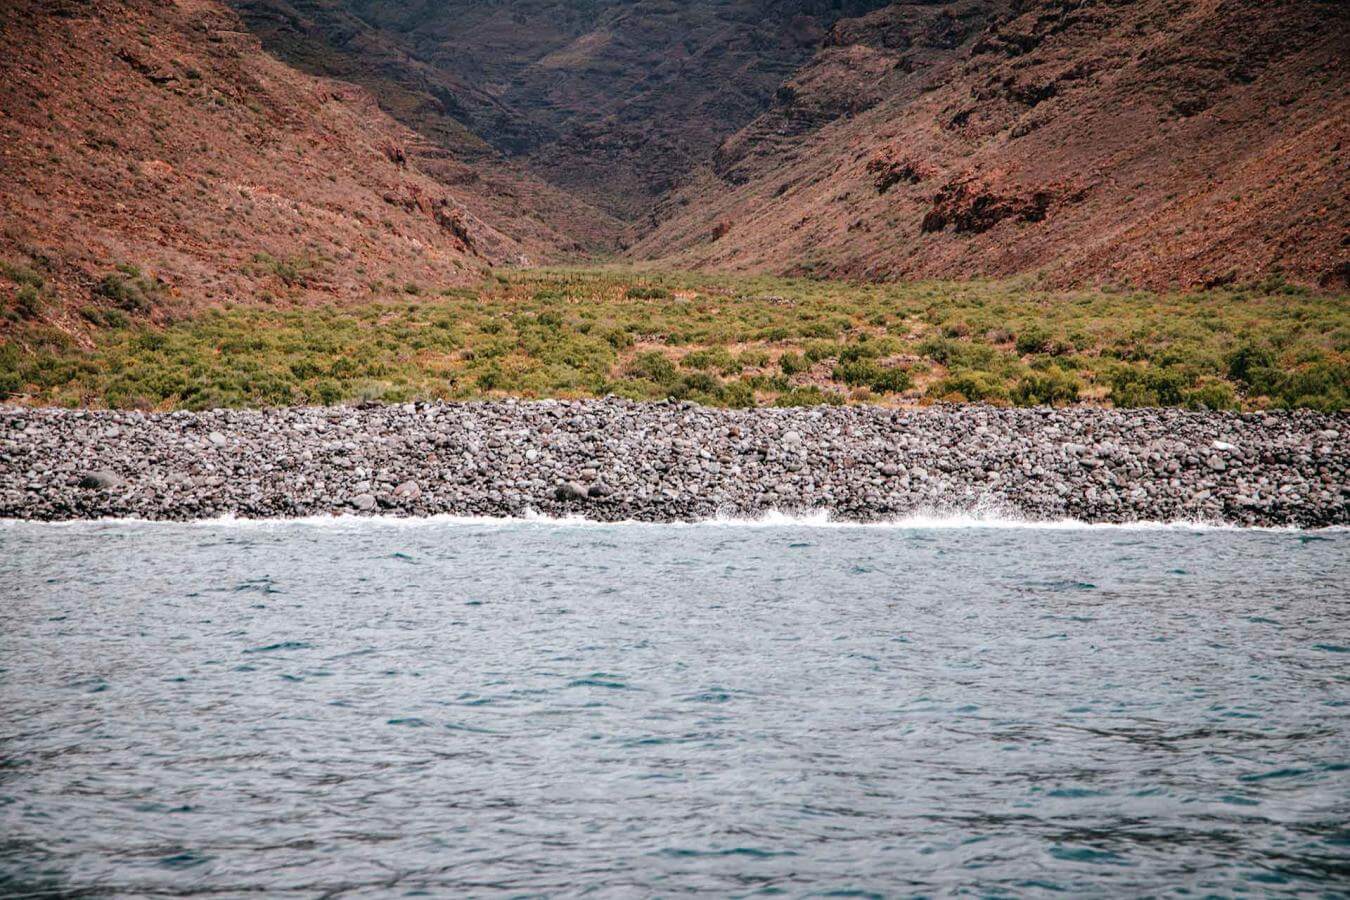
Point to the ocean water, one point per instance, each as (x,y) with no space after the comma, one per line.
(452,708)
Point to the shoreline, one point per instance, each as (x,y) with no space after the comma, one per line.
(807,519)
(615,460)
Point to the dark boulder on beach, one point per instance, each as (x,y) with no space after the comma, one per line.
(101,480)
(571,490)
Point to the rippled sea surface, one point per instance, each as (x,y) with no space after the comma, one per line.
(465,708)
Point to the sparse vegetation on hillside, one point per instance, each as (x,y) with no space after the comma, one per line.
(129,289)
(711,339)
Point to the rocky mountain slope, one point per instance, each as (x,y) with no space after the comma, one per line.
(1151,143)
(614,100)
(158,156)
(155,159)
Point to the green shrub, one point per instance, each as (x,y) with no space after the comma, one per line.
(28,302)
(1032,340)
(818,350)
(292,270)
(1051,387)
(653,366)
(1215,395)
(1133,388)
(967,385)
(808,396)
(11,381)
(748,359)
(10,384)
(22,275)
(108,318)
(854,352)
(1247,360)
(867,373)
(1323,386)
(701,383)
(938,349)
(793,363)
(129,289)
(738,395)
(639,292)
(719,358)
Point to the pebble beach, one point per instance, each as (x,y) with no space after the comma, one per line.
(616,460)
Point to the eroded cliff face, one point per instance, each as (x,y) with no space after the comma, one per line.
(1152,143)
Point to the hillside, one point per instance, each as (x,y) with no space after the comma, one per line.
(613,100)
(166,156)
(156,160)
(1150,143)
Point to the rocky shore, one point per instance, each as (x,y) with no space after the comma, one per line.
(614,460)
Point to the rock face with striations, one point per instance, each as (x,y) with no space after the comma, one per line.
(615,460)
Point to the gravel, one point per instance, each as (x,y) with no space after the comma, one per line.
(614,459)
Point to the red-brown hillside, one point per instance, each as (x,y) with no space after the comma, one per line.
(1152,143)
(157,134)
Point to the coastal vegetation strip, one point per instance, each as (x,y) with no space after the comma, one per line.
(714,339)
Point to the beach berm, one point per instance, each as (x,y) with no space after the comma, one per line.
(615,459)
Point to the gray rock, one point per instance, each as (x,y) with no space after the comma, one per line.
(216,438)
(363,502)
(101,480)
(408,490)
(571,490)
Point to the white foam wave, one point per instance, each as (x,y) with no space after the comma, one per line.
(987,518)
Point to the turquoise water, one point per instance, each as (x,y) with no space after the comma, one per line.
(443,708)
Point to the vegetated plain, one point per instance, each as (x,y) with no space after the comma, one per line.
(715,339)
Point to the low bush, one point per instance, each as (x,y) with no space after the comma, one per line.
(641,292)
(976,387)
(22,275)
(808,396)
(1032,340)
(1133,388)
(718,358)
(1213,395)
(793,363)
(1051,387)
(867,373)
(129,289)
(293,271)
(654,367)
(106,318)
(28,302)
(1248,360)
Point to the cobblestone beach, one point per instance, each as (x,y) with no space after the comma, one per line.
(618,460)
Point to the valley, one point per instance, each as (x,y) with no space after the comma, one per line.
(212,204)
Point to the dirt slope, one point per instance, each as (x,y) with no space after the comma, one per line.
(1154,143)
(158,136)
